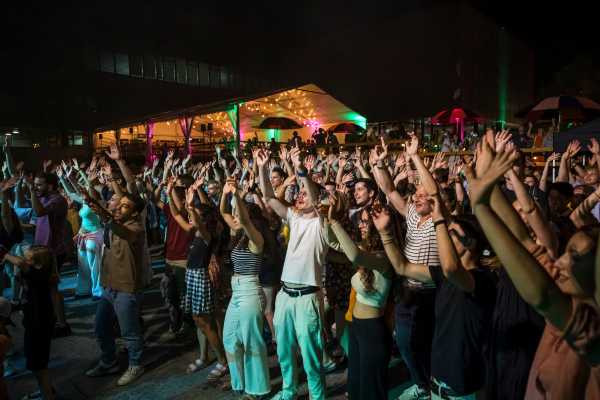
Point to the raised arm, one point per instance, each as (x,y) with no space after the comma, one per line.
(451,263)
(8,219)
(582,215)
(115,154)
(544,179)
(536,220)
(563,171)
(266,188)
(302,173)
(381,220)
(532,282)
(384,181)
(256,239)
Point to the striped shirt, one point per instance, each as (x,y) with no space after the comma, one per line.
(245,262)
(420,246)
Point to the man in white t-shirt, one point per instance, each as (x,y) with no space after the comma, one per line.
(297,318)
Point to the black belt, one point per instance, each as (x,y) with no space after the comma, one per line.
(301,291)
(444,393)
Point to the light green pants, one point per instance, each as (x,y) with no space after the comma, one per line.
(242,337)
(297,325)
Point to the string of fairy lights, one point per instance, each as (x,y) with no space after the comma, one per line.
(294,103)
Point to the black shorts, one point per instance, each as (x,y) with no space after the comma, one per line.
(36,343)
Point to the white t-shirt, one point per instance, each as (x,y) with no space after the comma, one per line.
(306,250)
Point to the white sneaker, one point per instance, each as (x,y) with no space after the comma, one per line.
(132,373)
(414,393)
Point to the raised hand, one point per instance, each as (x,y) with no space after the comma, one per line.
(594,146)
(19,166)
(482,181)
(155,163)
(573,148)
(309,162)
(75,164)
(295,157)
(114,153)
(93,163)
(170,155)
(230,186)
(46,164)
(413,146)
(261,157)
(501,139)
(553,157)
(283,152)
(381,218)
(187,159)
(400,160)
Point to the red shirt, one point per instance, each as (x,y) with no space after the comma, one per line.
(178,240)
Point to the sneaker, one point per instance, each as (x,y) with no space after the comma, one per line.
(102,369)
(61,331)
(132,373)
(415,393)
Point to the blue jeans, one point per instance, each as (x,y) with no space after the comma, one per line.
(415,321)
(126,307)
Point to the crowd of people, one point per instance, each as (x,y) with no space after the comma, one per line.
(482,270)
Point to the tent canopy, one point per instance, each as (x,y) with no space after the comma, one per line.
(582,133)
(308,105)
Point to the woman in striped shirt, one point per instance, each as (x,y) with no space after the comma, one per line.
(242,332)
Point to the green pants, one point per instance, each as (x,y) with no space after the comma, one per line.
(297,325)
(242,337)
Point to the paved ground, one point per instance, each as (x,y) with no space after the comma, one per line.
(165,361)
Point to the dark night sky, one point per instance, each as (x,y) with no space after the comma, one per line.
(556,34)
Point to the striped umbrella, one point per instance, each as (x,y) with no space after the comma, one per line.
(571,108)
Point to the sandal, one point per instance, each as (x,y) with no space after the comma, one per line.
(217,372)
(196,366)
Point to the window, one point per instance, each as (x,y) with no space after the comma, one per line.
(192,74)
(75,140)
(224,77)
(149,67)
(215,76)
(203,75)
(136,66)
(122,64)
(181,71)
(107,62)
(168,69)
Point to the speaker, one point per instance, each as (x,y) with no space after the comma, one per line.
(100,136)
(202,127)
(210,126)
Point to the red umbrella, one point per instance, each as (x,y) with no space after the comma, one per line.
(566,107)
(451,115)
(456,116)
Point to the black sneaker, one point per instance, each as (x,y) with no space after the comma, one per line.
(102,370)
(61,331)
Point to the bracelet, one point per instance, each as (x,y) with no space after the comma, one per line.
(380,165)
(439,222)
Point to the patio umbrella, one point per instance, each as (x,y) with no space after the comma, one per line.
(456,116)
(347,127)
(562,107)
(451,115)
(279,123)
